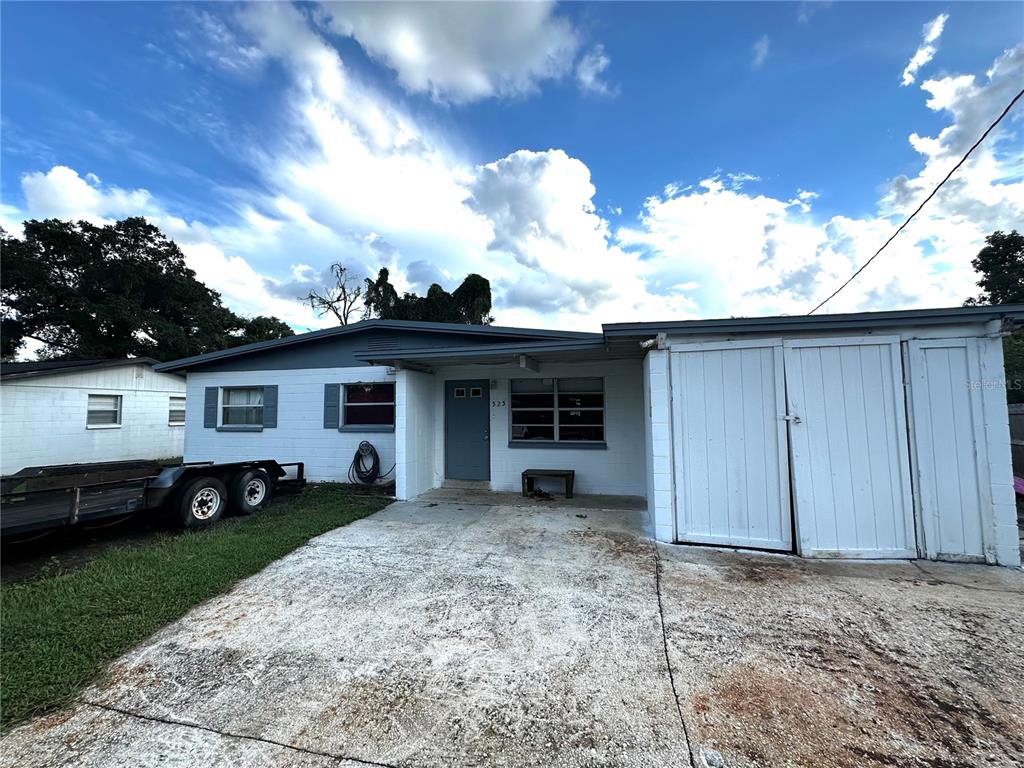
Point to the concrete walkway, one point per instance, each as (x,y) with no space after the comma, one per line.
(453,632)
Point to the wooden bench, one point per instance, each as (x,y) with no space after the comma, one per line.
(530,475)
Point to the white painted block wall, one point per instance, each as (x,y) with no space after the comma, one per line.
(300,434)
(617,470)
(658,435)
(43,418)
(414,428)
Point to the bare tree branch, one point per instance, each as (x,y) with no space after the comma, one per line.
(340,300)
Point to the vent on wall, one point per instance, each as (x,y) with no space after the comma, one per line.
(382,342)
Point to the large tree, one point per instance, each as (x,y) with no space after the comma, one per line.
(1001,266)
(469,303)
(112,291)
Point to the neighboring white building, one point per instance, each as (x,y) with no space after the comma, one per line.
(868,435)
(84,411)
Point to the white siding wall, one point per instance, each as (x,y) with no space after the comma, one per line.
(950,453)
(658,435)
(415,423)
(1000,466)
(43,418)
(996,463)
(619,469)
(300,434)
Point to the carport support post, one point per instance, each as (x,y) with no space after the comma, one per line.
(414,432)
(658,439)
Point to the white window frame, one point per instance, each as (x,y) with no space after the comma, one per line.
(556,392)
(223,405)
(345,405)
(119,410)
(171,409)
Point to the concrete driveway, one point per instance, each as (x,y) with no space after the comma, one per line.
(469,629)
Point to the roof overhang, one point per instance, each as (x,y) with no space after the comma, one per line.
(497,354)
(1014,313)
(94,366)
(492,331)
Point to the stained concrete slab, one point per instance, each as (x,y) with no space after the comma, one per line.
(429,634)
(90,737)
(451,632)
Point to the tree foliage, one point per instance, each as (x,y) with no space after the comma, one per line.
(1001,266)
(113,291)
(470,303)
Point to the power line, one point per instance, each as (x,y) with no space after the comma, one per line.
(923,203)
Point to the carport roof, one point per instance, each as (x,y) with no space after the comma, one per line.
(568,350)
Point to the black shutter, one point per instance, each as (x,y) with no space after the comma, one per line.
(332,406)
(270,407)
(210,408)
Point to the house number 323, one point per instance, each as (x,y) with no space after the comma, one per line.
(497,403)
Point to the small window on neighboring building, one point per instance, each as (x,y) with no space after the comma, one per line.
(242,406)
(370,404)
(104,411)
(176,412)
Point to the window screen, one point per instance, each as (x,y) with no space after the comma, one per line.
(176,412)
(104,411)
(242,406)
(557,410)
(370,404)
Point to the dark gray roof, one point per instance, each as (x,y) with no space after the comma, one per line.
(615,341)
(850,321)
(46,367)
(496,331)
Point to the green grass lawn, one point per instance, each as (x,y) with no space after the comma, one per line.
(57,632)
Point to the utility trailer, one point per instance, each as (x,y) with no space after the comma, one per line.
(191,495)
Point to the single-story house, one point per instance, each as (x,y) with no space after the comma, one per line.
(867,435)
(83,411)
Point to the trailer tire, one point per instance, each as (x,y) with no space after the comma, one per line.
(250,491)
(201,502)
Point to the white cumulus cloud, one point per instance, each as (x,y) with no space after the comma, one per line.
(748,254)
(590,68)
(460,52)
(926,51)
(61,193)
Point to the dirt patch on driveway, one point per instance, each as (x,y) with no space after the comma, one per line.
(844,665)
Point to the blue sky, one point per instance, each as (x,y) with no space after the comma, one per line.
(598,162)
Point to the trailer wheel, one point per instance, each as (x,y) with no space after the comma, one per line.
(201,502)
(250,491)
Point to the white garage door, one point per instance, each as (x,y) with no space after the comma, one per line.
(851,476)
(950,451)
(732,475)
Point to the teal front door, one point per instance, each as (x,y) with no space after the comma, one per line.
(467,430)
